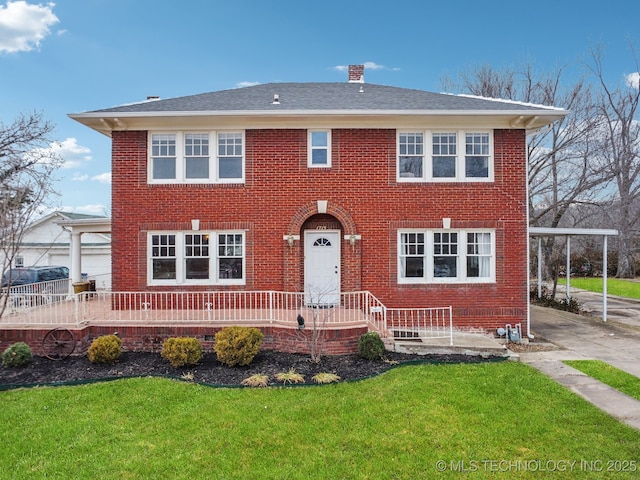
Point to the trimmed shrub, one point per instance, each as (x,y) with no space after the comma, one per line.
(237,345)
(16,355)
(182,351)
(105,349)
(370,346)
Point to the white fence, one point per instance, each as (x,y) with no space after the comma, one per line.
(257,308)
(33,297)
(420,323)
(57,287)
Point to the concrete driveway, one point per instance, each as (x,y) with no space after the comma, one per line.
(616,342)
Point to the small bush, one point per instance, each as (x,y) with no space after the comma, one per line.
(256,380)
(181,351)
(326,377)
(548,300)
(105,349)
(16,355)
(237,345)
(371,346)
(290,377)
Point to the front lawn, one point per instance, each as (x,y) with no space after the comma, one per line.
(615,286)
(496,420)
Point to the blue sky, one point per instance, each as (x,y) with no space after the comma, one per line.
(79,55)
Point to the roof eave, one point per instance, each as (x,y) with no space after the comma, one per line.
(106,122)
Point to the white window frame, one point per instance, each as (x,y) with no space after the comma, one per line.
(311,147)
(460,157)
(180,258)
(428,276)
(181,158)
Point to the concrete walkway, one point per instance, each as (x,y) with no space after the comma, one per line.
(576,337)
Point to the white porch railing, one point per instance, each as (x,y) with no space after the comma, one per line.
(33,297)
(256,308)
(419,323)
(181,308)
(42,288)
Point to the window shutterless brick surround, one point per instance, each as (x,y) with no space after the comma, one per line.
(280,196)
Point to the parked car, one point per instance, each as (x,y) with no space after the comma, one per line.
(28,275)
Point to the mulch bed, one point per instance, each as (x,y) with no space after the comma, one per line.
(77,369)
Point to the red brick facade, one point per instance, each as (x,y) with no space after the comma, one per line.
(150,339)
(280,197)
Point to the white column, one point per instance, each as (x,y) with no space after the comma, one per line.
(76,255)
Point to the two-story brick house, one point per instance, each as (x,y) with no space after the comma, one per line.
(417,197)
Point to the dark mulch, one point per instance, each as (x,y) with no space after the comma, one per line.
(42,371)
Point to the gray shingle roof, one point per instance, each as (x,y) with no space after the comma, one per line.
(322,97)
(78,216)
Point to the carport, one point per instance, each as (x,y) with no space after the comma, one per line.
(541,232)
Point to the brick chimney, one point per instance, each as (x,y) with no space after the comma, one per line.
(356,73)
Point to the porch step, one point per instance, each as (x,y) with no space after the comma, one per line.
(463,344)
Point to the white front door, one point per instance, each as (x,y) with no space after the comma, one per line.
(322,267)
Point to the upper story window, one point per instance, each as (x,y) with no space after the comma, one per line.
(199,258)
(187,157)
(458,156)
(446,256)
(319,148)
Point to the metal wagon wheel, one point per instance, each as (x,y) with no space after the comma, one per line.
(58,343)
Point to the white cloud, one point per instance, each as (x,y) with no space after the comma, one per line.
(23,25)
(633,80)
(78,177)
(246,84)
(90,209)
(373,66)
(72,154)
(102,178)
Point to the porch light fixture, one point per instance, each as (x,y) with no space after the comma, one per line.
(300,320)
(290,238)
(352,240)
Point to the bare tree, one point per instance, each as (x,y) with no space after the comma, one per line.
(618,107)
(565,161)
(26,166)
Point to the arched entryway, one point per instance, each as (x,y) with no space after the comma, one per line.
(322,265)
(323,252)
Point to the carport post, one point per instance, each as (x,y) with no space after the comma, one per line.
(539,267)
(568,267)
(604,278)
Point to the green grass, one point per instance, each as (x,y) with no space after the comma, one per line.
(612,376)
(615,286)
(394,426)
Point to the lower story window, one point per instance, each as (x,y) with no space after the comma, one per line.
(441,256)
(202,258)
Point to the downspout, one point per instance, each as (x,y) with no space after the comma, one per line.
(529,336)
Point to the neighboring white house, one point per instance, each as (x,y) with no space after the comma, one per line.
(46,242)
